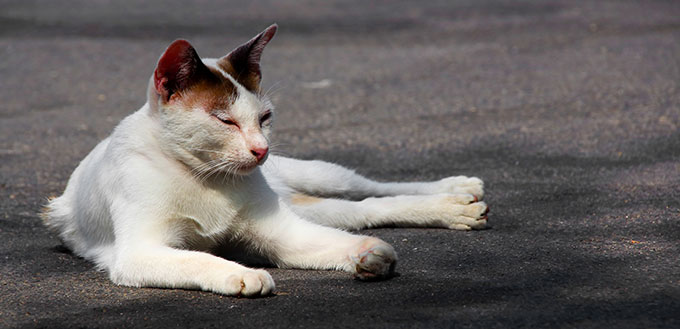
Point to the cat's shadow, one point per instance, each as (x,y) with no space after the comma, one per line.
(242,253)
(62,249)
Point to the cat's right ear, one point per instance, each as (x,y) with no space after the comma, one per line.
(243,63)
(178,68)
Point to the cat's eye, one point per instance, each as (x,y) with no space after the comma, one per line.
(227,121)
(265,117)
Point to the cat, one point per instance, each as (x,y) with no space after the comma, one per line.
(191,171)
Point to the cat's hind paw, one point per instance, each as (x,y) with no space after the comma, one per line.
(473,216)
(461,184)
(375,260)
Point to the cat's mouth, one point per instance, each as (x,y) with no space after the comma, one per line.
(247,167)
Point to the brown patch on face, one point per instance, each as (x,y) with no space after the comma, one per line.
(212,92)
(300,199)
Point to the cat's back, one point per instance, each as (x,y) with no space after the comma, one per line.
(81,215)
(68,215)
(104,159)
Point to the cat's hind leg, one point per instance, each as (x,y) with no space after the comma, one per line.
(452,211)
(320,178)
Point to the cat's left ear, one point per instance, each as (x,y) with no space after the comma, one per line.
(243,63)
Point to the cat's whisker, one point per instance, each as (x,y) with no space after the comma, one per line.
(201,168)
(279,143)
(198,173)
(229,172)
(280,153)
(217,168)
(274,148)
(273,89)
(209,169)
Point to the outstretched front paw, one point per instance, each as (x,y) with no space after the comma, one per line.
(248,283)
(461,184)
(375,260)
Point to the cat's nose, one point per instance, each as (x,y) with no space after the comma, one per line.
(259,153)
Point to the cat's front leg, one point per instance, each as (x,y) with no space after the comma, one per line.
(292,242)
(373,260)
(140,265)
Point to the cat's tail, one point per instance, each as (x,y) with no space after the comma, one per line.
(58,217)
(55,216)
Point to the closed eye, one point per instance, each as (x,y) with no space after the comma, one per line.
(227,121)
(265,117)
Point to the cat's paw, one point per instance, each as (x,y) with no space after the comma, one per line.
(460,198)
(374,260)
(461,184)
(472,216)
(248,283)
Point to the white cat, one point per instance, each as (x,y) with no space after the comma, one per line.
(182,176)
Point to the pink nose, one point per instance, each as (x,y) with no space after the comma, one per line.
(259,153)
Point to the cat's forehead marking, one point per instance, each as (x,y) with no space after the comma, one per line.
(216,92)
(220,91)
(212,64)
(241,94)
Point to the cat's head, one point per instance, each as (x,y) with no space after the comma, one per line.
(211,113)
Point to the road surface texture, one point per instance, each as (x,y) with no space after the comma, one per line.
(569,110)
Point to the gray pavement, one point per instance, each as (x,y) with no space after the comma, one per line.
(569,110)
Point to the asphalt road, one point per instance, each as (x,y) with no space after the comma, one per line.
(569,110)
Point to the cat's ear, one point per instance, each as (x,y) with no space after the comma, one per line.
(243,63)
(178,68)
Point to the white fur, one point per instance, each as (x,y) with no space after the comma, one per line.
(169,184)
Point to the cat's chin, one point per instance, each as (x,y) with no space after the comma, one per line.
(245,169)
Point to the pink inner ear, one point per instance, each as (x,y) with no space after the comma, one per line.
(175,68)
(160,82)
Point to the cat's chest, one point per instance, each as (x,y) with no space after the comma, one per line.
(211,212)
(221,207)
